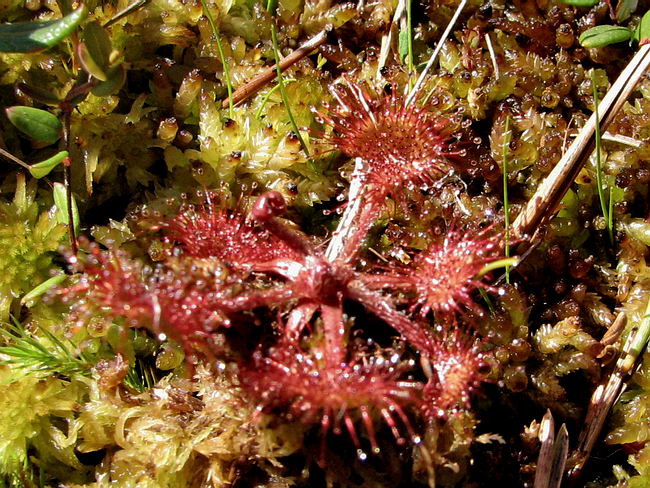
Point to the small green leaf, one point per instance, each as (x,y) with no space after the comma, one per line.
(60,200)
(24,37)
(581,3)
(116,76)
(36,123)
(98,43)
(624,9)
(39,94)
(42,288)
(403,44)
(604,35)
(642,31)
(88,62)
(39,170)
(95,51)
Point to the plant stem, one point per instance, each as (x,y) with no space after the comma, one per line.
(16,160)
(506,203)
(222,56)
(599,164)
(409,26)
(443,38)
(67,182)
(500,263)
(283,94)
(258,114)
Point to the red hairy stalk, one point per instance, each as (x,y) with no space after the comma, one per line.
(455,367)
(110,282)
(443,278)
(317,391)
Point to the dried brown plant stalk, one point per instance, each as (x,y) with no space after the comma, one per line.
(608,391)
(552,453)
(249,89)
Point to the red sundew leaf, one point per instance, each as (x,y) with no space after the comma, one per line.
(443,278)
(323,394)
(183,299)
(403,145)
(456,369)
(111,284)
(208,231)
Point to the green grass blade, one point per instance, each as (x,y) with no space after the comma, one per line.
(506,203)
(283,94)
(599,166)
(222,56)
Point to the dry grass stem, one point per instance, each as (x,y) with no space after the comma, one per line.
(336,247)
(552,454)
(13,158)
(546,437)
(560,452)
(387,38)
(547,197)
(249,89)
(493,56)
(609,390)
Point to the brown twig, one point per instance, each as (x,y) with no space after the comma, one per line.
(547,197)
(257,83)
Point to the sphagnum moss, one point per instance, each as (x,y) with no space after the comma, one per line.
(252,346)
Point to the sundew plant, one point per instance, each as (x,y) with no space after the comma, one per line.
(315,243)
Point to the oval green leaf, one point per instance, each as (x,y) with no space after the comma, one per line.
(604,35)
(61,202)
(98,43)
(116,77)
(38,94)
(89,63)
(581,3)
(36,123)
(39,170)
(642,31)
(624,9)
(24,37)
(44,287)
